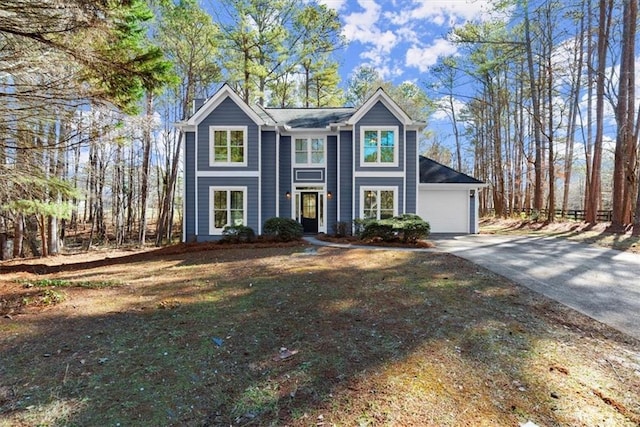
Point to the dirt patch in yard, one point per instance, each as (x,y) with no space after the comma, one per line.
(301,336)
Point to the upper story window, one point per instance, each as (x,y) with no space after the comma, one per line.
(378,146)
(379,202)
(309,151)
(228,146)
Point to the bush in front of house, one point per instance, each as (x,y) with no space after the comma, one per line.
(283,229)
(359,225)
(408,228)
(378,230)
(238,234)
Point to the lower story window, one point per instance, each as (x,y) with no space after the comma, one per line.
(227,207)
(379,203)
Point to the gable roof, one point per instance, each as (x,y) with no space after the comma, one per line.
(309,118)
(299,118)
(381,96)
(432,172)
(212,103)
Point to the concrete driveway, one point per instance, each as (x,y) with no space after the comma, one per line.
(602,283)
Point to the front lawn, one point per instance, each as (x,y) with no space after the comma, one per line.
(301,336)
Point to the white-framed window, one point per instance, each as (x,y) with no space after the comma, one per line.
(309,151)
(227,146)
(378,202)
(379,146)
(227,206)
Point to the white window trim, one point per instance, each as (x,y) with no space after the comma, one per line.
(396,139)
(378,189)
(212,223)
(309,138)
(229,129)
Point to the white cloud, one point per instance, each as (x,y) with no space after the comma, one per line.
(408,34)
(333,4)
(424,57)
(446,12)
(366,27)
(362,26)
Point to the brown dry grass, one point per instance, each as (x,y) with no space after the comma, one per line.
(380,338)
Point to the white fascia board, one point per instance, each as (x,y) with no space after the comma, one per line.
(184,127)
(379,174)
(307,131)
(337,127)
(381,96)
(451,186)
(417,126)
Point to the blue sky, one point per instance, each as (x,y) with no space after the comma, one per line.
(401,38)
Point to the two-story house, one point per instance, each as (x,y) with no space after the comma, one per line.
(244,165)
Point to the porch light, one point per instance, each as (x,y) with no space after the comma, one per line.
(329,195)
(288,195)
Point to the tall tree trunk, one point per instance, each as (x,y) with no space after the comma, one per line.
(496,128)
(518,149)
(42,225)
(117,207)
(307,83)
(593,203)
(144,173)
(456,133)
(164,224)
(537,122)
(76,169)
(626,148)
(129,194)
(550,123)
(52,236)
(636,217)
(588,141)
(18,235)
(574,96)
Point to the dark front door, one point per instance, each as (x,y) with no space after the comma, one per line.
(309,212)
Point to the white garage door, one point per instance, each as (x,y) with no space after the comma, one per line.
(446,211)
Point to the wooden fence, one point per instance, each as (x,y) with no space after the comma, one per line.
(572,214)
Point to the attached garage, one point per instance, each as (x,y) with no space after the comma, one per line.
(447,198)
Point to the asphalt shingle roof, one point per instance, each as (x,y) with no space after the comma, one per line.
(309,118)
(432,172)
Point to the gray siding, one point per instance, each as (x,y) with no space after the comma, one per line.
(268,176)
(379,115)
(285,176)
(228,114)
(189,187)
(203,202)
(332,181)
(346,177)
(411,192)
